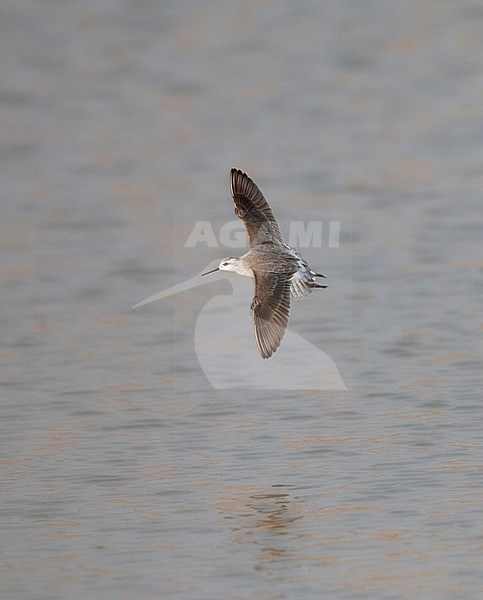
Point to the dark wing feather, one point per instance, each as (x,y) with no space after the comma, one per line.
(252,208)
(271,307)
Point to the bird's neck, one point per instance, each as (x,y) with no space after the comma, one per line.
(243,270)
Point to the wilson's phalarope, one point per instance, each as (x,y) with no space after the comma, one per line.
(279,270)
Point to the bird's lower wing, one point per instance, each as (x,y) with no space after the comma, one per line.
(271,307)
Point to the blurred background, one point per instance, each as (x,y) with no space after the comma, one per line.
(126,474)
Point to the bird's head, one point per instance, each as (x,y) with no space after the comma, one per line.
(227,264)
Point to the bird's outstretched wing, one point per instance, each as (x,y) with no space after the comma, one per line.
(271,307)
(252,208)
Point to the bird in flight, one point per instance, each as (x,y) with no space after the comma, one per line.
(278,269)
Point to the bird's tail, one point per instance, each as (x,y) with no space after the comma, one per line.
(302,284)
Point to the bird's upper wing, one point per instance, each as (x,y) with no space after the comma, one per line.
(271,307)
(252,208)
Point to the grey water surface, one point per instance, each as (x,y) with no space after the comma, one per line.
(138,459)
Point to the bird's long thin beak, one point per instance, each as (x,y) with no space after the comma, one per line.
(208,272)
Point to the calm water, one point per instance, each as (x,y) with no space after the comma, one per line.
(139,458)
